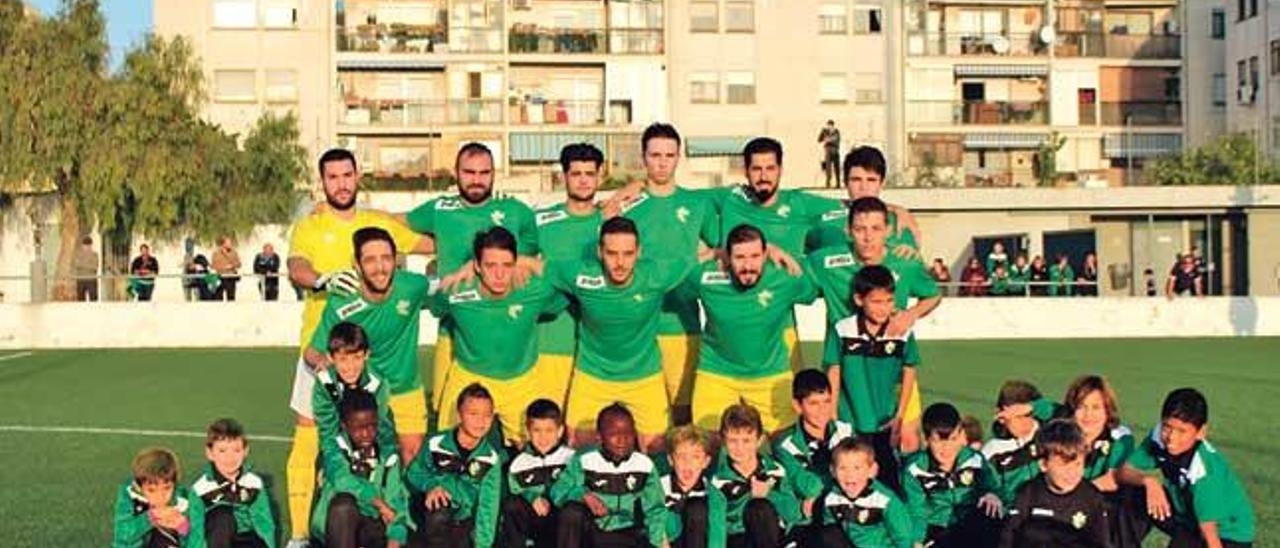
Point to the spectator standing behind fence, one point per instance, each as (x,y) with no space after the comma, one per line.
(1039,277)
(1000,282)
(941,274)
(267,265)
(1019,275)
(1185,279)
(1062,277)
(974,278)
(85,268)
(1088,277)
(997,257)
(830,139)
(226,262)
(143,270)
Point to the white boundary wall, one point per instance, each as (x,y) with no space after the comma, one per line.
(251,324)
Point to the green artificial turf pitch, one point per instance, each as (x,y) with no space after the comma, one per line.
(59,486)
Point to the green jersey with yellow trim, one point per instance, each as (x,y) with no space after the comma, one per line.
(454,224)
(564,237)
(787,223)
(391,325)
(497,338)
(670,228)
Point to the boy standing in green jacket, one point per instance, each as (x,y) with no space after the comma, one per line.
(610,495)
(363,501)
(233,499)
(152,510)
(456,479)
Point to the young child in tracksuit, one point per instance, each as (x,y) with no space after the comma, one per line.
(695,513)
(860,511)
(152,510)
(527,512)
(233,499)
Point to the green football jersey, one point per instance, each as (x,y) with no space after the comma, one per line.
(785,496)
(1108,452)
(670,229)
(326,401)
(743,336)
(1201,486)
(365,475)
(833,229)
(628,488)
(619,324)
(472,479)
(454,224)
(871,367)
(497,338)
(246,496)
(833,269)
(941,498)
(873,517)
(564,237)
(391,325)
(788,223)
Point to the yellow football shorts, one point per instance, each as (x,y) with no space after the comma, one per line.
(510,397)
(409,410)
(646,399)
(679,359)
(770,395)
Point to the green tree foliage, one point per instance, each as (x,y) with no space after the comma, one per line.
(1229,160)
(127,151)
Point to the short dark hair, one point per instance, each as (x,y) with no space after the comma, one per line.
(371,234)
(809,382)
(543,408)
(348,337)
(741,416)
(1015,392)
(865,157)
(941,419)
(336,155)
(471,149)
(1061,438)
(1186,404)
(612,411)
(872,277)
(742,234)
(868,204)
(619,225)
(355,401)
(224,429)
(658,130)
(853,445)
(494,238)
(761,145)
(473,391)
(580,152)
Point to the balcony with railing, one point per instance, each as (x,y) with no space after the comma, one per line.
(1120,46)
(1141,113)
(392,113)
(636,41)
(475,111)
(530,38)
(539,111)
(391,38)
(990,113)
(976,44)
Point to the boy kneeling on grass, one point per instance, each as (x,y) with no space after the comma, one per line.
(527,512)
(860,511)
(233,499)
(695,514)
(152,510)
(1192,494)
(610,495)
(950,487)
(456,479)
(1059,509)
(762,501)
(363,502)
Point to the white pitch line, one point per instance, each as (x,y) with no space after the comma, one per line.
(15,356)
(123,432)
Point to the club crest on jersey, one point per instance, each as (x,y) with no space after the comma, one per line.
(497,217)
(1079,520)
(966,478)
(715,278)
(764,298)
(350,309)
(590,282)
(889,347)
(1105,447)
(682,214)
(548,217)
(514,311)
(639,297)
(863,516)
(631,483)
(838,261)
(784,211)
(465,297)
(402,307)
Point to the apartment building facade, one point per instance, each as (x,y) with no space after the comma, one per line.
(404,83)
(1252,75)
(1046,92)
